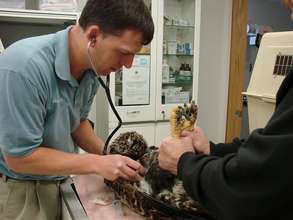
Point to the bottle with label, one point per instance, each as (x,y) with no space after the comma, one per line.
(182,69)
(188,70)
(165,72)
(165,47)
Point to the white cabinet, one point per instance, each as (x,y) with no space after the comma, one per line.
(21,16)
(178,54)
(16,24)
(162,130)
(44,5)
(134,89)
(44,12)
(164,74)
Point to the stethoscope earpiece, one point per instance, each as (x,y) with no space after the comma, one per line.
(91,43)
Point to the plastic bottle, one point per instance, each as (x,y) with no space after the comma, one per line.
(188,70)
(182,69)
(165,72)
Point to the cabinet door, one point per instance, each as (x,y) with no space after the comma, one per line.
(19,24)
(134,88)
(178,49)
(145,129)
(162,131)
(55,5)
(17,4)
(51,5)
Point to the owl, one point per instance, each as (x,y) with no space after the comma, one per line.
(159,184)
(130,144)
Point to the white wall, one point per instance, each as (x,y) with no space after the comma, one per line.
(214,67)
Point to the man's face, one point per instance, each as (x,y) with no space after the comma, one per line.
(112,52)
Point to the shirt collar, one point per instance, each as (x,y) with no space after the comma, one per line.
(62,61)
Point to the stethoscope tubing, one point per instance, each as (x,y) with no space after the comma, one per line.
(108,94)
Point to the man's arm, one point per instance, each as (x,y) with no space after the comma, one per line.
(85,137)
(47,161)
(223,149)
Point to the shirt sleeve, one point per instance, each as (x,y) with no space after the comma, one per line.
(22,113)
(222,149)
(239,185)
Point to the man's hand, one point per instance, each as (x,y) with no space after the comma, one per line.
(115,166)
(200,142)
(171,150)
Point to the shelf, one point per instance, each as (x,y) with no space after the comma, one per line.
(177,55)
(36,17)
(183,27)
(182,83)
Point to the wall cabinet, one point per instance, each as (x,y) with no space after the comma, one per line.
(164,74)
(16,24)
(44,5)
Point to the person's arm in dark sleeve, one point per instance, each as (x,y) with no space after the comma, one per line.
(245,184)
(204,180)
(222,149)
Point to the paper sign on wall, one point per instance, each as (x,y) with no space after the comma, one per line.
(136,82)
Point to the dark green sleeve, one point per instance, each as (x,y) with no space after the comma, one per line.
(222,149)
(245,184)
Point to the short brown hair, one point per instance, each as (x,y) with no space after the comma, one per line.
(115,16)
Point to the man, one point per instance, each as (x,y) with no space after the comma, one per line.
(47,85)
(243,180)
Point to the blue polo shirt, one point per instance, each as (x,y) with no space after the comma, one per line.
(41,103)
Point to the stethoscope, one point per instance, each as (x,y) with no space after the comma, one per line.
(108,94)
